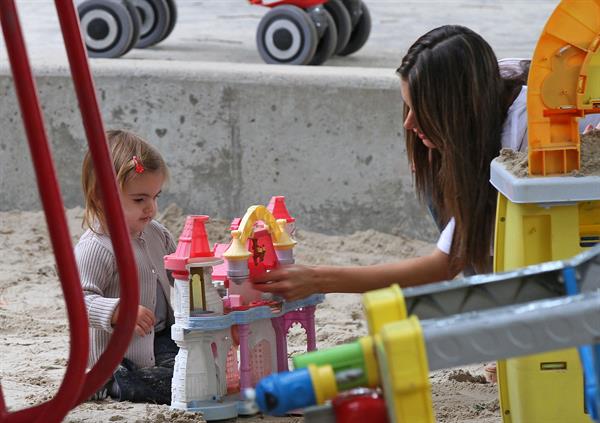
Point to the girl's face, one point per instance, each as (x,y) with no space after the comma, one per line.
(410,123)
(139,196)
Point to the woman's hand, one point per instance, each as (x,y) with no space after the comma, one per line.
(144,321)
(291,282)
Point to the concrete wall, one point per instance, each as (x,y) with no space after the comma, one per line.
(329,139)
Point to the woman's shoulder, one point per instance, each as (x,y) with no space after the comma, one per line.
(520,102)
(514,131)
(515,68)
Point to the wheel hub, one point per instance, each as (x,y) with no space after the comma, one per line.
(98,29)
(283,39)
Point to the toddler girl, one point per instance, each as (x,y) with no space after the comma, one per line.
(146,371)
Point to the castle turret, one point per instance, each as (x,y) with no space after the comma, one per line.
(279,210)
(191,265)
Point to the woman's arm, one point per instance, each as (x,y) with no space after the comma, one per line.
(296,281)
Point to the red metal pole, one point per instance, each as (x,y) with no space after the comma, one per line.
(119,234)
(72,391)
(3,411)
(51,198)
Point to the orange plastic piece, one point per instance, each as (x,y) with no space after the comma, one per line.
(563,85)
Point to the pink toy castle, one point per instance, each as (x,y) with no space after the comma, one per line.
(230,338)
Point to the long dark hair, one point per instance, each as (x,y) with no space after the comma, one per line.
(460,102)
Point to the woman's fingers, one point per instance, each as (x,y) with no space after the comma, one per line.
(290,282)
(272,276)
(273,287)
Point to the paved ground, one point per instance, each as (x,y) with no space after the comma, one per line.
(224,30)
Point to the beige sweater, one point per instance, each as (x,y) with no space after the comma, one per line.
(100,283)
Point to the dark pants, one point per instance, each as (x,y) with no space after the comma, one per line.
(151,384)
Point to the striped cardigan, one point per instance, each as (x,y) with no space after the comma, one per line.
(100,283)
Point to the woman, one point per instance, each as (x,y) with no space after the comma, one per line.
(459,111)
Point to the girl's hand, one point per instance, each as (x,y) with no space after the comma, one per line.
(144,321)
(291,282)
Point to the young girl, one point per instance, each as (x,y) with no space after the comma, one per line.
(146,371)
(459,111)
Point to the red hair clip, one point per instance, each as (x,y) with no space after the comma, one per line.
(139,167)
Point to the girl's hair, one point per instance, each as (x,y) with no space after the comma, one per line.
(123,146)
(460,102)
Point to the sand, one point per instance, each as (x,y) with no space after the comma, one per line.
(34,347)
(517,161)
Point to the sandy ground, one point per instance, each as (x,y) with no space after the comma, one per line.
(34,347)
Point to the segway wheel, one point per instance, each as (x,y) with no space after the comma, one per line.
(360,33)
(156,18)
(136,20)
(327,43)
(343,22)
(287,35)
(107,26)
(172,18)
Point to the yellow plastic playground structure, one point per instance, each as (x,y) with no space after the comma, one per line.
(549,222)
(564,84)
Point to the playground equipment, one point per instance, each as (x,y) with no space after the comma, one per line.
(210,330)
(551,217)
(451,323)
(294,32)
(77,386)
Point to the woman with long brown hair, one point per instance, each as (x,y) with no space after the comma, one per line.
(459,111)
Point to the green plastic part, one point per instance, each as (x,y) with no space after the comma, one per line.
(341,358)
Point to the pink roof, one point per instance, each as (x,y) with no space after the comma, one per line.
(235,224)
(279,210)
(220,271)
(193,242)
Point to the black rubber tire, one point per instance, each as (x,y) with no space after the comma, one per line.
(286,35)
(172,18)
(360,33)
(136,19)
(155,21)
(107,26)
(343,22)
(327,43)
